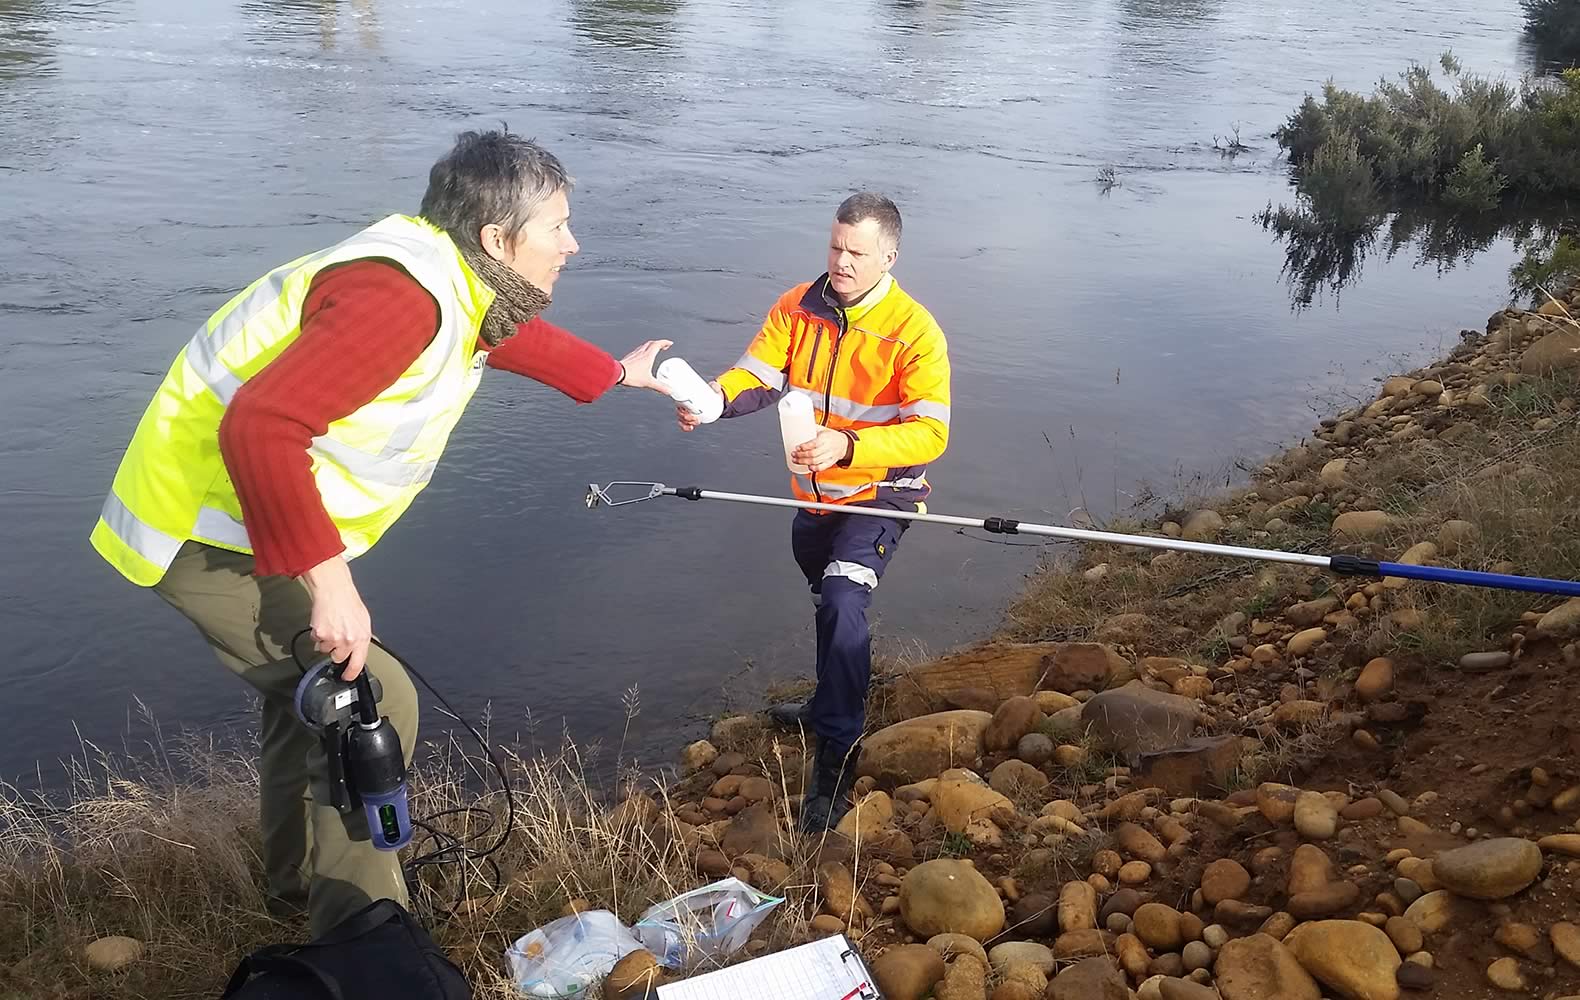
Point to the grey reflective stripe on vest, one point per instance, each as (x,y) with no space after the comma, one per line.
(852,571)
(926,408)
(389,466)
(382,468)
(204,359)
(909,483)
(204,348)
(386,467)
(143,538)
(767,374)
(218,526)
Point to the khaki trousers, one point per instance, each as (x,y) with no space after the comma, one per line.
(311,853)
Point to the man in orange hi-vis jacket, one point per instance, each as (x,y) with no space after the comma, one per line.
(876,367)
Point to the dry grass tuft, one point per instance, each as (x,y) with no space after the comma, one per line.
(170,861)
(1282,755)
(1518,486)
(169,855)
(1511,473)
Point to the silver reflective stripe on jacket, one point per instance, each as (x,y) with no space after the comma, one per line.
(765,373)
(874,413)
(926,408)
(835,490)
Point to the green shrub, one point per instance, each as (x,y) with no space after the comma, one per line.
(1466,145)
(1428,160)
(1554,27)
(1342,185)
(1474,186)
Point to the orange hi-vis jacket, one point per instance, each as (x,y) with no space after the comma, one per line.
(879,372)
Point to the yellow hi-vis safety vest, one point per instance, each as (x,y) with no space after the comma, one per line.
(172,484)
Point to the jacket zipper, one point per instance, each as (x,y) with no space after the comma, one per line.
(828,386)
(811,363)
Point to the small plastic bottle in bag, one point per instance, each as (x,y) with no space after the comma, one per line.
(689,389)
(797,425)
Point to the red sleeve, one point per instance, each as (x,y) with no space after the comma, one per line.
(363,324)
(544,352)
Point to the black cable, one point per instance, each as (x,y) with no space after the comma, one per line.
(1014,545)
(449,849)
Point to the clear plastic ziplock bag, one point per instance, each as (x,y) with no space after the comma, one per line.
(565,957)
(712,921)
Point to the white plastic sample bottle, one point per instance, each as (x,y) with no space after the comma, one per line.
(797,425)
(689,389)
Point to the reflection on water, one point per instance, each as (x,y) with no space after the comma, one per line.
(1556,48)
(1322,253)
(1327,253)
(25,39)
(626,24)
(159,154)
(1153,12)
(272,19)
(940,15)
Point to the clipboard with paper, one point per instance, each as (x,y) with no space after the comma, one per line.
(827,969)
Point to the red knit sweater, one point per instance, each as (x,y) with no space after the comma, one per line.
(363,324)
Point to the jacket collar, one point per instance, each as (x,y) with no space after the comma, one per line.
(821,301)
(874,295)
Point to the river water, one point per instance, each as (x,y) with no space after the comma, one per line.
(156,156)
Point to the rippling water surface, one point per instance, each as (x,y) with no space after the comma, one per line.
(156,156)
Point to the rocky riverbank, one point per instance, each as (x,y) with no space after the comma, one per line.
(1238,782)
(1172,777)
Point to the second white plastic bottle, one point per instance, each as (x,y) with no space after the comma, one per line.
(687,388)
(797,425)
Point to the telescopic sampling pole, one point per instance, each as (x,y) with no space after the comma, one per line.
(598,496)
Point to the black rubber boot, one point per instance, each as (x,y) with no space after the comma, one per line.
(827,798)
(790,714)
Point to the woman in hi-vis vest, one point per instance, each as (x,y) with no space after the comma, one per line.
(299,423)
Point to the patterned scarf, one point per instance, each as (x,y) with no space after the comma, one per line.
(516,300)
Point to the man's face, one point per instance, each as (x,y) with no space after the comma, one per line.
(857,258)
(541,247)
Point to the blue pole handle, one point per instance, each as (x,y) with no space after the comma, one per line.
(1476,578)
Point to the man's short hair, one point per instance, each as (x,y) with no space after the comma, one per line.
(496,177)
(864,205)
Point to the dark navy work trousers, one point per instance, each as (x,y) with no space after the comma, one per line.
(843,557)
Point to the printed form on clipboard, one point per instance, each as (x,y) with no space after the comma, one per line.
(827,969)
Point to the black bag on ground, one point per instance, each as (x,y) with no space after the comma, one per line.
(377,953)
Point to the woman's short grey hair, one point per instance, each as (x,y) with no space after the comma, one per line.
(494,177)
